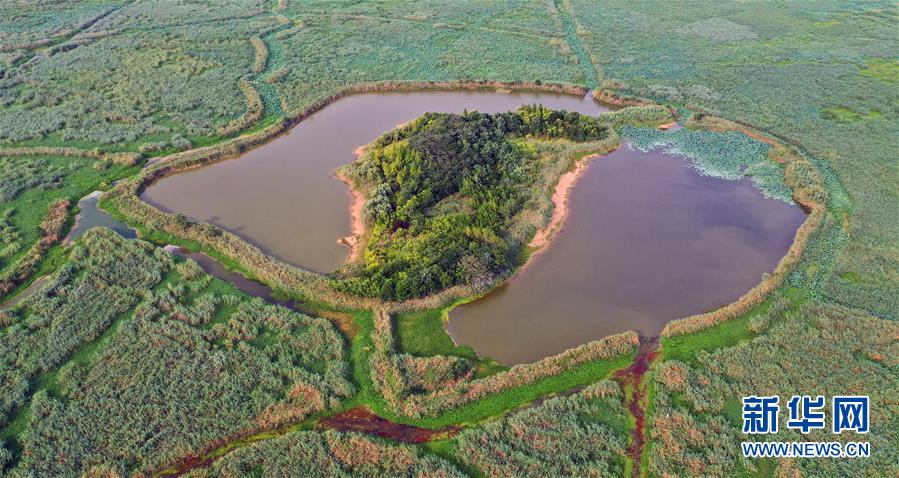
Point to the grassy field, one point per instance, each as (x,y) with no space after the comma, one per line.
(423,333)
(161,77)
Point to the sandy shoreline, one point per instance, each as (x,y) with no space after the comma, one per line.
(357,202)
(543,236)
(560,203)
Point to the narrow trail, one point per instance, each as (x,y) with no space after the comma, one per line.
(359,419)
(362,420)
(591,79)
(631,381)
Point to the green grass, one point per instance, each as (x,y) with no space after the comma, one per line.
(686,348)
(162,238)
(499,403)
(449,450)
(487,407)
(885,70)
(32,204)
(423,334)
(842,114)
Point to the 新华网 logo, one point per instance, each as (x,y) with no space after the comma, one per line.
(761,415)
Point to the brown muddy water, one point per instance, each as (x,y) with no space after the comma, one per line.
(283,196)
(647,240)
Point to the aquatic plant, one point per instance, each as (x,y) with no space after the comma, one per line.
(825,348)
(727,155)
(33,181)
(387,372)
(584,434)
(255,110)
(20,173)
(50,228)
(783,82)
(650,115)
(75,76)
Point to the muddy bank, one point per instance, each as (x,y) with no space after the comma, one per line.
(645,239)
(359,420)
(631,381)
(283,196)
(362,420)
(560,203)
(356,240)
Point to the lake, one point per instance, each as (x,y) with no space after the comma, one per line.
(283,196)
(648,239)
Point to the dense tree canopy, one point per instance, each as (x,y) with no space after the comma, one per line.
(444,193)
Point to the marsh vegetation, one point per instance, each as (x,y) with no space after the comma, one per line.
(180,368)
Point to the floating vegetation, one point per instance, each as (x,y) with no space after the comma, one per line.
(729,155)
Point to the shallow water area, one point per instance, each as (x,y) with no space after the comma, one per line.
(216,269)
(283,196)
(647,240)
(90,216)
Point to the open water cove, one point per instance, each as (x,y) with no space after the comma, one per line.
(647,240)
(283,196)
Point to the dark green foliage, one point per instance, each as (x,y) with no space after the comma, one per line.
(122,76)
(445,191)
(326,455)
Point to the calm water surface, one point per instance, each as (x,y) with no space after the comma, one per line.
(647,240)
(91,216)
(283,196)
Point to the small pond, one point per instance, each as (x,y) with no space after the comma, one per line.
(91,216)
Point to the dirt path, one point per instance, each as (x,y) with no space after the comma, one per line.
(631,381)
(359,419)
(362,420)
